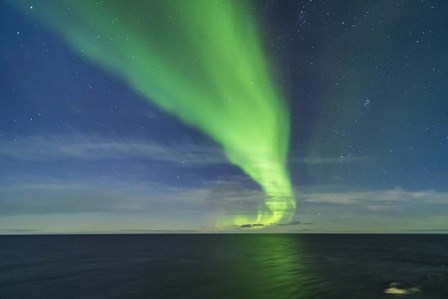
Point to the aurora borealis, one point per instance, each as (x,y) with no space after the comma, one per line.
(201,61)
(154,115)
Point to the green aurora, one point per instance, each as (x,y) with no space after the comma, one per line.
(201,61)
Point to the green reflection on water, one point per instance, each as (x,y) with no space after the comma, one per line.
(261,266)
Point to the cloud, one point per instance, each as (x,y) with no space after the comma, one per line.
(51,148)
(109,195)
(82,197)
(372,210)
(367,210)
(379,197)
(38,148)
(329,160)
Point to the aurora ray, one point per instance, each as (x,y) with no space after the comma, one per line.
(201,61)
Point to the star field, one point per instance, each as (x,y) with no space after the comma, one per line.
(365,87)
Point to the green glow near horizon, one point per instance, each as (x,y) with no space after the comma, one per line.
(201,61)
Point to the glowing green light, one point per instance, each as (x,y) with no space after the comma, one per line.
(199,60)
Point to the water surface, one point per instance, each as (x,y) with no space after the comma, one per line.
(223,266)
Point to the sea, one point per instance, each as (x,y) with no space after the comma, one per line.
(227,266)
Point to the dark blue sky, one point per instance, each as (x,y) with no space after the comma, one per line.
(366,82)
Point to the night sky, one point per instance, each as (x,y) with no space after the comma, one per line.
(363,85)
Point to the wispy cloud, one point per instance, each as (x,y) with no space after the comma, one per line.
(393,196)
(38,148)
(329,160)
(50,148)
(49,197)
(372,210)
(39,193)
(81,197)
(343,210)
(40,196)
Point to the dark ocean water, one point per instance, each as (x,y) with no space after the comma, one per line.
(223,266)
